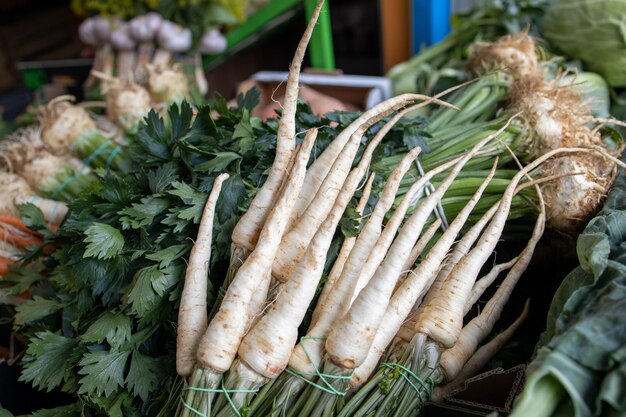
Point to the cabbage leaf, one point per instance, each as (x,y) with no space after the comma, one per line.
(580,365)
(593,31)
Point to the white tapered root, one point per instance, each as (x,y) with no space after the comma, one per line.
(338,301)
(409,292)
(485,282)
(482,356)
(246,232)
(344,251)
(322,165)
(442,318)
(480,327)
(218,346)
(192,314)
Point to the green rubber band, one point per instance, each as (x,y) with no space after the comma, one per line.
(63,185)
(322,376)
(230,401)
(221,390)
(193,410)
(427,387)
(101,150)
(116,151)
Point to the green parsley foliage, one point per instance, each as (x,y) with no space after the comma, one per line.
(46,363)
(115,328)
(36,309)
(72,410)
(103,241)
(101,323)
(103,372)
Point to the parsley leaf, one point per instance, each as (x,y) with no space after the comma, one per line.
(249,100)
(115,328)
(72,410)
(231,197)
(33,218)
(180,118)
(413,136)
(115,404)
(160,178)
(218,164)
(350,222)
(143,214)
(166,256)
(168,279)
(153,138)
(244,132)
(104,241)
(35,309)
(143,376)
(46,363)
(190,197)
(103,372)
(142,296)
(204,123)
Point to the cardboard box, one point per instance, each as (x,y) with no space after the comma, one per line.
(482,394)
(361,91)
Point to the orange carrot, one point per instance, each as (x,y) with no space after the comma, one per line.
(4,265)
(16,222)
(16,236)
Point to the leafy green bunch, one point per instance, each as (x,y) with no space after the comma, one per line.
(101,319)
(442,65)
(500,17)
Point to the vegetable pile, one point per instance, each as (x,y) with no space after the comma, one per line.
(71,148)
(246,361)
(157,42)
(442,64)
(111,270)
(220,265)
(579,366)
(588,34)
(567,377)
(600,45)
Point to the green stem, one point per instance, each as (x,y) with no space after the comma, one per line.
(306,403)
(359,400)
(262,402)
(460,98)
(426,55)
(292,387)
(98,151)
(483,105)
(241,385)
(199,395)
(425,355)
(327,393)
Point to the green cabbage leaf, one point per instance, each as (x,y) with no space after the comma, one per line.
(580,365)
(593,31)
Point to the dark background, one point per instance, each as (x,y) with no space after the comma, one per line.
(32,31)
